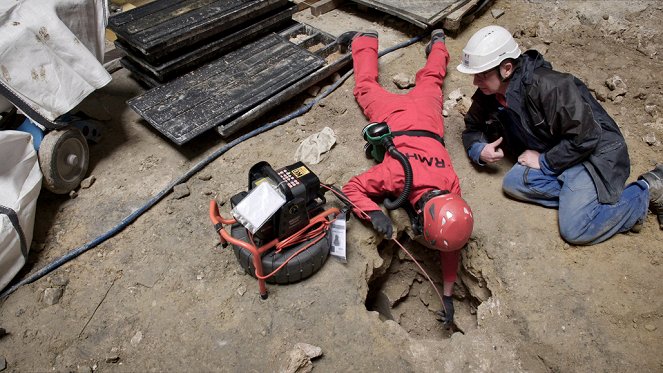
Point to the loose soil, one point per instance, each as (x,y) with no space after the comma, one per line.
(163,295)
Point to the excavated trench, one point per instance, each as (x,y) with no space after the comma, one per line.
(399,291)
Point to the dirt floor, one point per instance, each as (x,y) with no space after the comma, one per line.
(163,295)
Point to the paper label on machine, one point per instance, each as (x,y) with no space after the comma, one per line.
(258,206)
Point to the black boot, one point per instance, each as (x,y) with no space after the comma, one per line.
(345,39)
(654,179)
(435,36)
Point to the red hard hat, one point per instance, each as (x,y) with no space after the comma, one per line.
(448,222)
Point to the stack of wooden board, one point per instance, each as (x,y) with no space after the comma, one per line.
(167,38)
(232,91)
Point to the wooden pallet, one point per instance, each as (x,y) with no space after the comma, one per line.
(161,27)
(189,59)
(422,13)
(224,89)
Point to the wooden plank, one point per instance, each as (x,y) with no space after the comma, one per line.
(188,60)
(324,6)
(453,21)
(335,61)
(225,88)
(417,12)
(163,26)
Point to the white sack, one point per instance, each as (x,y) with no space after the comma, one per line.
(51,52)
(20,183)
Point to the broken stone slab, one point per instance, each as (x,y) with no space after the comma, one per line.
(397,287)
(180,191)
(403,81)
(463,318)
(52,295)
(475,286)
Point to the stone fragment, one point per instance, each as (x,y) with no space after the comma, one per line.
(87,182)
(83,369)
(496,13)
(617,87)
(403,81)
(205,177)
(455,95)
(541,48)
(601,93)
(135,340)
(650,327)
(181,191)
(650,139)
(52,295)
(73,194)
(651,110)
(112,358)
(311,351)
(3,363)
(241,290)
(297,362)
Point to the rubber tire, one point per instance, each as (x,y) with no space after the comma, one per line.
(51,158)
(299,268)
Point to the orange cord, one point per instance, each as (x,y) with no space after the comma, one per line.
(301,236)
(363,215)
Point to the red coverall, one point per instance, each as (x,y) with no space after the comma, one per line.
(419,109)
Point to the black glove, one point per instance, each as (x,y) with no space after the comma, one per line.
(381,223)
(447,312)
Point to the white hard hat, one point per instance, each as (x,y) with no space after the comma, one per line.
(487,48)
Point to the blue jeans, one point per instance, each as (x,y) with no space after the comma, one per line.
(583,220)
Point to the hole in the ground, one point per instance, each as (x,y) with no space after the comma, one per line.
(399,291)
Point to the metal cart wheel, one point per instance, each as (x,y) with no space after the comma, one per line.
(63,158)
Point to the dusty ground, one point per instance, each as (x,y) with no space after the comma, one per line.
(163,296)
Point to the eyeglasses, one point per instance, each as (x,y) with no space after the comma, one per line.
(484,75)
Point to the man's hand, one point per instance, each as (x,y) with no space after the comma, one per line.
(381,223)
(491,152)
(530,158)
(446,314)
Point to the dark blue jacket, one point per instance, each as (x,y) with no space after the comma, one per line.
(555,114)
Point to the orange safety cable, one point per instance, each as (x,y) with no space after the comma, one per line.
(344,198)
(301,237)
(365,216)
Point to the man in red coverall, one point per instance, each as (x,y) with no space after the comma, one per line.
(434,179)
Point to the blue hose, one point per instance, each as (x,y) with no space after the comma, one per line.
(199,166)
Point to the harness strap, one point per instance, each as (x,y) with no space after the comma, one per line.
(420,133)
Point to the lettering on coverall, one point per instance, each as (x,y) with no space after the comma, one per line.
(430,161)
